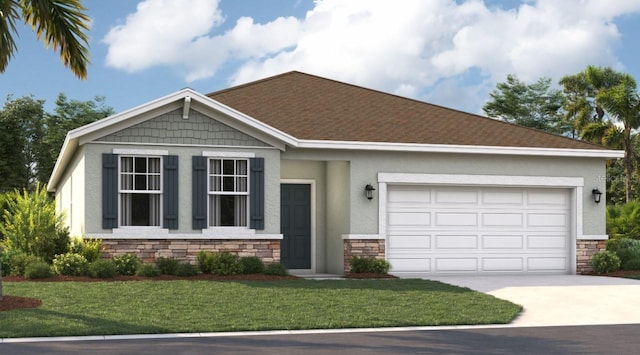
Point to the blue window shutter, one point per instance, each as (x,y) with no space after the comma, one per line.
(256,193)
(199,190)
(170,192)
(109,191)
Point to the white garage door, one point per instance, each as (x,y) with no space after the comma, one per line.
(440,230)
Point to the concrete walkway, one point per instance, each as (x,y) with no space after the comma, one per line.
(554,300)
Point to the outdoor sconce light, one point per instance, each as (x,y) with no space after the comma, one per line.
(596,195)
(368,191)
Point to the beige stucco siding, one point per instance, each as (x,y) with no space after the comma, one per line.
(365,166)
(70,195)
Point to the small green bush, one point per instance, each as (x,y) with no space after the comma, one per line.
(38,270)
(626,256)
(102,269)
(167,266)
(89,248)
(604,262)
(70,264)
(226,263)
(204,261)
(360,265)
(186,270)
(623,220)
(251,265)
(276,269)
(126,264)
(147,270)
(19,262)
(6,259)
(622,243)
(631,264)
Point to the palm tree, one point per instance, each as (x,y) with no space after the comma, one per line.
(58,23)
(605,107)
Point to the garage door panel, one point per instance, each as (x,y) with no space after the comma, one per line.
(503,241)
(546,242)
(456,242)
(547,220)
(503,219)
(503,264)
(410,242)
(503,197)
(449,219)
(547,264)
(456,196)
(469,264)
(410,264)
(478,229)
(410,218)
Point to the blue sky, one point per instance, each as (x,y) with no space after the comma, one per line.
(446,52)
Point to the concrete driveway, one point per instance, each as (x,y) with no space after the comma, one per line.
(554,300)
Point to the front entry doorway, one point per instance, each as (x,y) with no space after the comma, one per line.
(295,225)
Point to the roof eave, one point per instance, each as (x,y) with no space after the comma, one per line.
(461,149)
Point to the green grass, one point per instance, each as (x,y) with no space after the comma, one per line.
(104,308)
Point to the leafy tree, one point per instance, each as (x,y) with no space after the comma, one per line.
(604,104)
(21,126)
(532,105)
(57,23)
(67,115)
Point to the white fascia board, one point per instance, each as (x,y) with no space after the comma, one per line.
(460,149)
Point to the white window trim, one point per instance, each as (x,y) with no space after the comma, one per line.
(236,229)
(145,152)
(211,154)
(120,191)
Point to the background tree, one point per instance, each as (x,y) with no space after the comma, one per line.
(21,126)
(532,105)
(67,115)
(58,23)
(605,106)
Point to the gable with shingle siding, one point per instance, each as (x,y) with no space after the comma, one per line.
(170,128)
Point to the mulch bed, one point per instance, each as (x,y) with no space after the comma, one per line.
(14,302)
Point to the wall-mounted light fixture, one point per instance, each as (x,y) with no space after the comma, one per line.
(368,191)
(596,195)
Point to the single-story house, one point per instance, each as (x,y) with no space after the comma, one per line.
(310,172)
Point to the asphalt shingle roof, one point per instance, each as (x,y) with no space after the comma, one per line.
(314,108)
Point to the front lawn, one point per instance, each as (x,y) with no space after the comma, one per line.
(136,307)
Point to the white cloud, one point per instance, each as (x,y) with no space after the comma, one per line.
(401,47)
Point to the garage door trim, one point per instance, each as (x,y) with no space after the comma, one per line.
(574,184)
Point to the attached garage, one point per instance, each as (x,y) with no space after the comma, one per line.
(462,229)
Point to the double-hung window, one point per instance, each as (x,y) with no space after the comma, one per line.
(228,192)
(140,191)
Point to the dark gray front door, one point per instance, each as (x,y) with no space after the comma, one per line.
(295,225)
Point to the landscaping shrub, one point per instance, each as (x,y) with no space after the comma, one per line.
(360,265)
(221,263)
(627,257)
(167,266)
(126,264)
(30,224)
(225,264)
(631,264)
(186,270)
(147,270)
(204,261)
(102,269)
(89,248)
(19,262)
(38,270)
(621,243)
(251,265)
(70,264)
(276,269)
(604,262)
(6,259)
(624,220)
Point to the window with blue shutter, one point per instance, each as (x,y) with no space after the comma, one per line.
(109,191)
(256,193)
(199,192)
(170,192)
